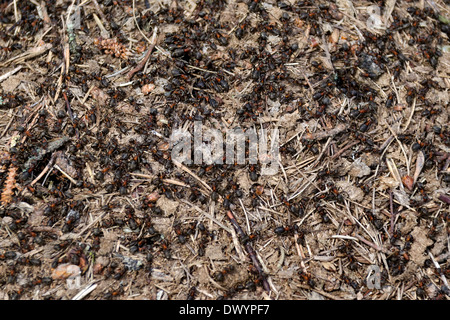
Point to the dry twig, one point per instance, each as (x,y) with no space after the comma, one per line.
(141,64)
(251,252)
(325,134)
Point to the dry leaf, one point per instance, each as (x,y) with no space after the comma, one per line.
(408,182)
(420,162)
(153,197)
(97,268)
(147,88)
(167,206)
(329,266)
(393,170)
(388,183)
(401,197)
(359,169)
(66,270)
(419,245)
(163,146)
(334,37)
(63,162)
(99,95)
(353,192)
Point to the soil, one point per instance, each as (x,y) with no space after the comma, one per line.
(94,207)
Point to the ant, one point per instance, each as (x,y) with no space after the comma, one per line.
(307,278)
(220,275)
(286,230)
(192,293)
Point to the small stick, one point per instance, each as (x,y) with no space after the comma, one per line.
(200,69)
(16,13)
(325,134)
(104,33)
(300,253)
(45,17)
(46,229)
(32,121)
(391,204)
(86,96)
(147,176)
(141,64)
(401,147)
(73,236)
(175,182)
(249,248)
(338,236)
(180,165)
(370,244)
(84,292)
(7,126)
(236,225)
(10,73)
(91,174)
(444,198)
(69,109)
(31,53)
(386,143)
(47,168)
(137,24)
(246,216)
(337,154)
(324,148)
(413,108)
(394,171)
(282,256)
(236,26)
(439,270)
(209,216)
(60,81)
(99,10)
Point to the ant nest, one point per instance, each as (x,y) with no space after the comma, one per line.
(113,47)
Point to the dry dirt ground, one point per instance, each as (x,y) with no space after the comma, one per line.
(93,207)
